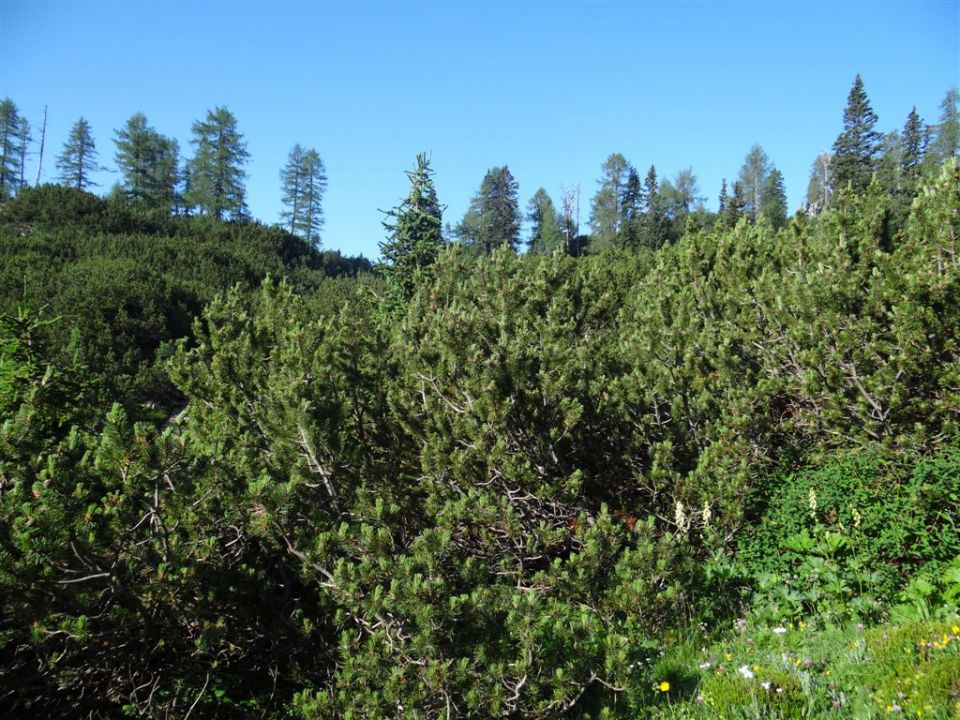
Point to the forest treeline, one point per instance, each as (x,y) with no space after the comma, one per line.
(628,210)
(715,474)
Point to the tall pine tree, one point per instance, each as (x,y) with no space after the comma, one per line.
(415,231)
(216,175)
(78,161)
(855,149)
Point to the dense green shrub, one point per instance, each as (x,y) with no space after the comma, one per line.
(894,517)
(129,280)
(500,498)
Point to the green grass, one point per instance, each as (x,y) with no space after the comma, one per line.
(909,670)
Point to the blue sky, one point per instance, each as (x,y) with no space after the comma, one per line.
(549,89)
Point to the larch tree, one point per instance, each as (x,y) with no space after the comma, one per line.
(945,142)
(606,212)
(216,175)
(856,148)
(303,183)
(680,196)
(753,178)
(546,235)
(148,162)
(820,186)
(23,147)
(10,129)
(78,161)
(415,231)
(291,175)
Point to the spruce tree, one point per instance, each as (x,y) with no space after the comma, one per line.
(723,199)
(493,218)
(216,174)
(773,203)
(736,207)
(78,161)
(855,149)
(415,236)
(911,149)
(655,225)
(546,236)
(632,208)
(10,128)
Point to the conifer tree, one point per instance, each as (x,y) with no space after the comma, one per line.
(493,218)
(681,196)
(887,168)
(632,207)
(855,149)
(945,142)
(290,177)
(773,203)
(753,178)
(23,145)
(655,226)
(10,128)
(216,174)
(606,214)
(723,199)
(820,186)
(78,161)
(736,206)
(546,236)
(304,181)
(148,162)
(415,236)
(911,148)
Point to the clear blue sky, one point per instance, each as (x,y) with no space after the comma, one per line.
(550,89)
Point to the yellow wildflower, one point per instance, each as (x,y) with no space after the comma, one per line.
(664,686)
(955,629)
